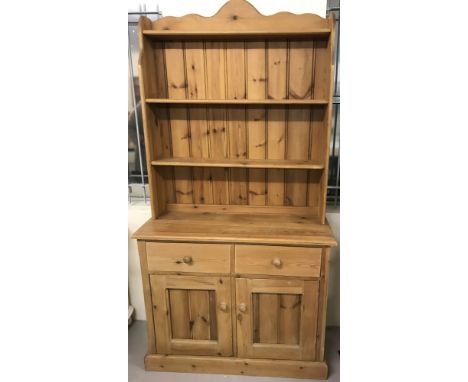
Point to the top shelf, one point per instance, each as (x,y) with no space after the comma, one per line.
(224,35)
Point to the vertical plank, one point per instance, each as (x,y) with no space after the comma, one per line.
(199,301)
(256,89)
(164,150)
(276,142)
(196,89)
(232,285)
(322,72)
(161,310)
(301,69)
(177,87)
(244,320)
(277,68)
(255,318)
(179,313)
(216,89)
(289,319)
(268,317)
(309,320)
(318,150)
(147,295)
(276,150)
(213,316)
(235,70)
(160,79)
(298,139)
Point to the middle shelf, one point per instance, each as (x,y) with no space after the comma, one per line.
(239,163)
(289,101)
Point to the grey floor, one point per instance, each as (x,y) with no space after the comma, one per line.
(137,373)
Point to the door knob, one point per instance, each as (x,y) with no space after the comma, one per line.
(276,262)
(187,259)
(243,307)
(223,306)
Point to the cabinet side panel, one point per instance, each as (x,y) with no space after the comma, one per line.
(147,295)
(322,305)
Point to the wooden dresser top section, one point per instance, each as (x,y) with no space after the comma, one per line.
(234,227)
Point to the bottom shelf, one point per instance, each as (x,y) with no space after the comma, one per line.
(203,223)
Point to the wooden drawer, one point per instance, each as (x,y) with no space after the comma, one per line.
(187,257)
(281,261)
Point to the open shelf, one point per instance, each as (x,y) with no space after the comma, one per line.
(237,101)
(239,163)
(285,225)
(228,35)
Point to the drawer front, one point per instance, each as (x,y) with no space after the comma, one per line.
(280,261)
(188,257)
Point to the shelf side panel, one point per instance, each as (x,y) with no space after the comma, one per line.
(147,83)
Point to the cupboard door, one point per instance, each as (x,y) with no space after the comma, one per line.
(192,315)
(276,318)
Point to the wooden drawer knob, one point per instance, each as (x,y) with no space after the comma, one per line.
(187,260)
(223,306)
(243,307)
(276,262)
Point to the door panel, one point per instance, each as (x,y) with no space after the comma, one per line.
(192,314)
(276,318)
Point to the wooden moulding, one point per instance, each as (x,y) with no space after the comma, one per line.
(239,17)
(237,366)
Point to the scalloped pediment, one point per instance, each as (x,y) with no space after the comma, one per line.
(240,15)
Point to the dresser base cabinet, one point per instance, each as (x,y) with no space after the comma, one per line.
(208,314)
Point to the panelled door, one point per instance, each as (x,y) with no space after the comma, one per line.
(276,318)
(192,314)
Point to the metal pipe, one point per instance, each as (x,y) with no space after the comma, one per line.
(136,116)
